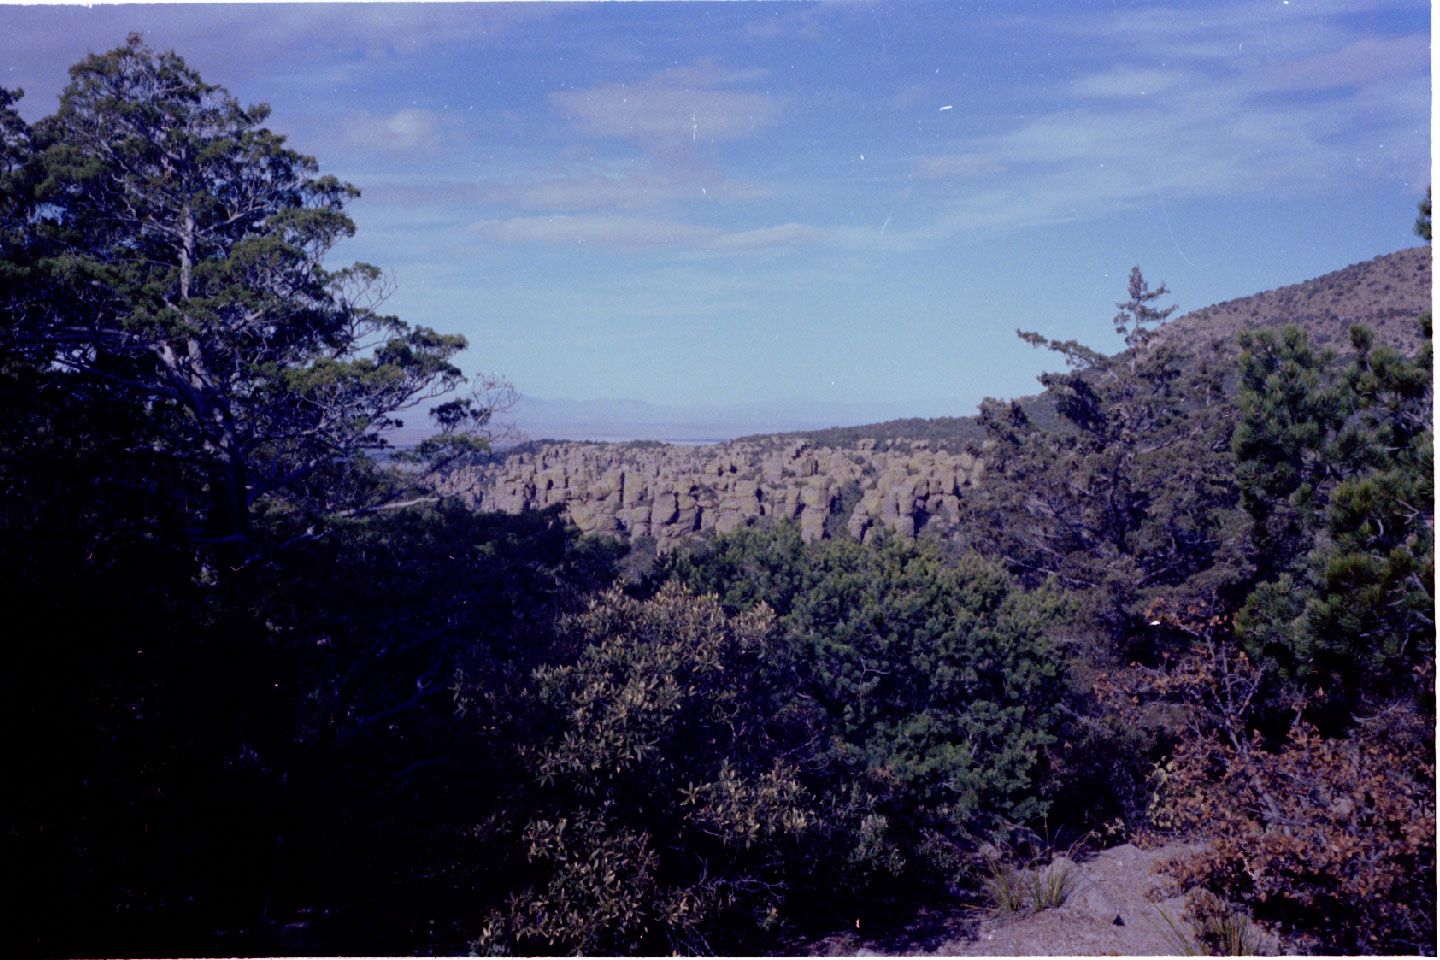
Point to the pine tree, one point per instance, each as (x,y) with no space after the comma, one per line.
(1131,495)
(175,249)
(1339,476)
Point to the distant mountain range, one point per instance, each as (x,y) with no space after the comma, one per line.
(617,420)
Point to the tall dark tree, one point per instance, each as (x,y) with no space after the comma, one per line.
(185,380)
(15,152)
(1131,496)
(179,267)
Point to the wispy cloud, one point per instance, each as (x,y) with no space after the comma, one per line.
(405,132)
(673,112)
(1366,61)
(628,232)
(637,190)
(676,117)
(659,116)
(783,22)
(588,192)
(784,235)
(952,167)
(1127,82)
(238,44)
(1244,101)
(590,230)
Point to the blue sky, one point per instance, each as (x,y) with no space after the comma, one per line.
(735,202)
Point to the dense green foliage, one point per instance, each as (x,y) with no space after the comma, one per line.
(838,732)
(166,256)
(1252,554)
(673,811)
(1132,499)
(936,673)
(269,695)
(1339,475)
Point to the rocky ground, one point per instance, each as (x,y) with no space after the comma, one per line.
(1116,908)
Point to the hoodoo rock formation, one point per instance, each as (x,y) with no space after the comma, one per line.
(670,493)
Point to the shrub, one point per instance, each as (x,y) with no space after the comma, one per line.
(933,679)
(1330,840)
(843,736)
(673,812)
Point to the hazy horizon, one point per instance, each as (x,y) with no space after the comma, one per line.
(621,419)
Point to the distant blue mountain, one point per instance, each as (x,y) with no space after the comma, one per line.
(626,419)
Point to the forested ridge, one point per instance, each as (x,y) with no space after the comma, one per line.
(271,693)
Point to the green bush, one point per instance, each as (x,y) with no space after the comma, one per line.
(839,731)
(933,679)
(1339,478)
(673,811)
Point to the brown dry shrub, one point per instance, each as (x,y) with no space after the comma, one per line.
(1330,840)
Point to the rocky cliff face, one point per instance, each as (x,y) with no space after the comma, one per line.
(671,493)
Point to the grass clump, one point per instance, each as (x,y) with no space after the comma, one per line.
(1213,928)
(1052,886)
(1023,890)
(1005,887)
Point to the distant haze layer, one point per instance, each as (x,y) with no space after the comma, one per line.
(618,420)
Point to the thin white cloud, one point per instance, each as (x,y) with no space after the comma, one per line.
(1366,61)
(638,190)
(783,21)
(1219,31)
(654,115)
(595,230)
(587,192)
(237,45)
(618,231)
(953,167)
(709,72)
(1127,82)
(784,235)
(1245,100)
(405,132)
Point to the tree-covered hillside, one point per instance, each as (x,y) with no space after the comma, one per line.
(271,693)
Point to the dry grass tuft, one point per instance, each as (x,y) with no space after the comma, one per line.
(1024,890)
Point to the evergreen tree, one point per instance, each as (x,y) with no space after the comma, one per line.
(1338,474)
(184,378)
(1131,496)
(175,255)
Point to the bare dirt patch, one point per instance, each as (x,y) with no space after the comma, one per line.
(1114,885)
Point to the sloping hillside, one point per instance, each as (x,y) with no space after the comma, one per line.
(1386,294)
